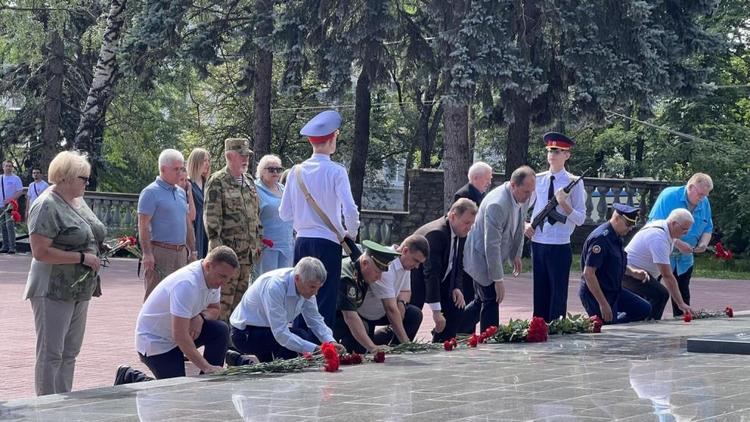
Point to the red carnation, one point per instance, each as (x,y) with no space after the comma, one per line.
(473,340)
(729,311)
(356,358)
(308,356)
(721,253)
(454,342)
(267,242)
(379,357)
(345,359)
(597,323)
(16,216)
(538,331)
(447,345)
(491,330)
(14,204)
(331,356)
(687,317)
(482,337)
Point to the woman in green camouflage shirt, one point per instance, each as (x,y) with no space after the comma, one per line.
(65,236)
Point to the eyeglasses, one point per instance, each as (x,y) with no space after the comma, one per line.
(85,179)
(275,169)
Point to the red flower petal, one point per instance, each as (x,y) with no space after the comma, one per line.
(473,340)
(447,345)
(729,311)
(379,357)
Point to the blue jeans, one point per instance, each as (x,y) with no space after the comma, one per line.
(9,233)
(214,335)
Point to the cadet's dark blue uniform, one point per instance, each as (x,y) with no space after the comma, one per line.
(604,251)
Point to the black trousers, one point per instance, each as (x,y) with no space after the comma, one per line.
(683,282)
(483,308)
(214,336)
(384,335)
(651,290)
(259,341)
(551,277)
(454,316)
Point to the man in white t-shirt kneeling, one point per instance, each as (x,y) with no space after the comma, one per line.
(649,250)
(181,314)
(386,303)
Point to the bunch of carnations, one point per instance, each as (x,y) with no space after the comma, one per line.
(721,253)
(331,357)
(538,331)
(451,344)
(705,314)
(111,248)
(350,359)
(12,209)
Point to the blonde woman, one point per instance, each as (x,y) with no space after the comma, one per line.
(65,236)
(199,169)
(281,254)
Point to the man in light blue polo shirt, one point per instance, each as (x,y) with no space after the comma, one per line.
(260,323)
(165,231)
(694,198)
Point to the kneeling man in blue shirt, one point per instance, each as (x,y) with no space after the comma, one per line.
(260,324)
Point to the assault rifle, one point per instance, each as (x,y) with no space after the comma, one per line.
(550,209)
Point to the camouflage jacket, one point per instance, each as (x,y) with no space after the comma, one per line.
(231,215)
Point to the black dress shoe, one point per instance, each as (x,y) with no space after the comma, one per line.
(122,374)
(128,375)
(233,358)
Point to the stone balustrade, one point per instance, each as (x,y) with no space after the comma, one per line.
(118,211)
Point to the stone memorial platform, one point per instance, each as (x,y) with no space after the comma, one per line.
(638,372)
(736,343)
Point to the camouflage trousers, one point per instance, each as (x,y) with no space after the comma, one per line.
(232,291)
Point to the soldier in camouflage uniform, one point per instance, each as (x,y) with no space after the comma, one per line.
(231,217)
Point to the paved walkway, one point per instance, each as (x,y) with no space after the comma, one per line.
(111,320)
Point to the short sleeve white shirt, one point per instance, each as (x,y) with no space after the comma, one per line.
(184,294)
(652,245)
(391,282)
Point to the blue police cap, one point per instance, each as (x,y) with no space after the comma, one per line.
(323,124)
(630,213)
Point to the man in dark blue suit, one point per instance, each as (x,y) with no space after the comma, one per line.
(604,263)
(438,281)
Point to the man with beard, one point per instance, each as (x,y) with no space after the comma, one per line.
(231,217)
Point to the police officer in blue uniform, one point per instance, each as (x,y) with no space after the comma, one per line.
(317,195)
(603,263)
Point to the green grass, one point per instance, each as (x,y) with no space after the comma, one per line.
(706,266)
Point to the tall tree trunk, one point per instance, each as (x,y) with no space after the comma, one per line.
(456,148)
(91,127)
(425,105)
(517,149)
(50,141)
(262,84)
(362,105)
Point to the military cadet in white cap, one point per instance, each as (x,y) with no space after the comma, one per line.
(317,194)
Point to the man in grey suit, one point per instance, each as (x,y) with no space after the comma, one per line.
(496,238)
